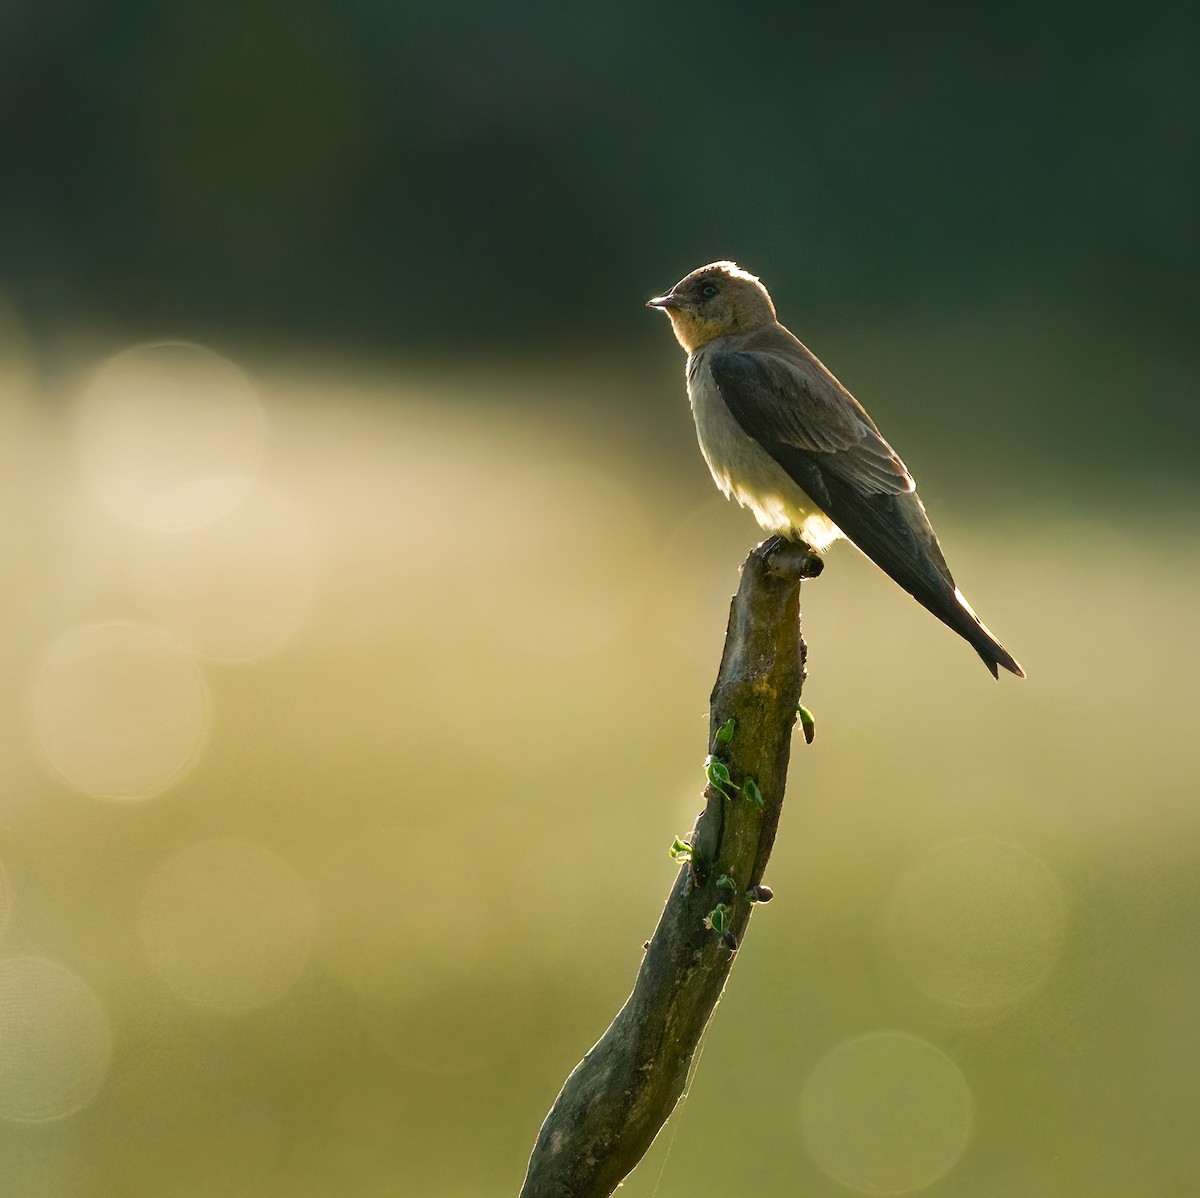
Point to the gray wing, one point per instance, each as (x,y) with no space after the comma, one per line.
(815,429)
(798,405)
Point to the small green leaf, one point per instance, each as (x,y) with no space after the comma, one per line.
(725,882)
(717,773)
(807,723)
(751,791)
(680,851)
(726,730)
(718,919)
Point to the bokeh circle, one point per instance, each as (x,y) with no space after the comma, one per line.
(227,924)
(55,1041)
(886,1113)
(120,709)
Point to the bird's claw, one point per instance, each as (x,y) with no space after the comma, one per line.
(791,559)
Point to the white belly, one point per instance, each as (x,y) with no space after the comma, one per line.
(746,472)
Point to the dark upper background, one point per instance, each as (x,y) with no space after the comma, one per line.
(379,176)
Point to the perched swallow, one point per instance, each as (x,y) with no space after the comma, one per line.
(784,438)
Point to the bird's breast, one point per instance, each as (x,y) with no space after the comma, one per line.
(744,471)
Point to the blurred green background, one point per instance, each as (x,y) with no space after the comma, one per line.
(358,640)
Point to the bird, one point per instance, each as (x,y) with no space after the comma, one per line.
(784,438)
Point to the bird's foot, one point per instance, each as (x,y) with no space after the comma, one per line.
(791,559)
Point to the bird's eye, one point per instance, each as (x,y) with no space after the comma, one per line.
(708,290)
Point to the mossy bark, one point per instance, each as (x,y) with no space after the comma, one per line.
(619,1096)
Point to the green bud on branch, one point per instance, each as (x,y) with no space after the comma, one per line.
(807,723)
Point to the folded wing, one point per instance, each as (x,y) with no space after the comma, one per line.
(816,430)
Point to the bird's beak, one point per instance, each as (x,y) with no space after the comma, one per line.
(664,301)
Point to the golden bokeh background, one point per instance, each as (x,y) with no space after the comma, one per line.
(362,587)
(348,718)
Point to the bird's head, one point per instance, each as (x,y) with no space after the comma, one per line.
(715,301)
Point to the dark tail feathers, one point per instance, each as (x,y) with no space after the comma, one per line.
(968,625)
